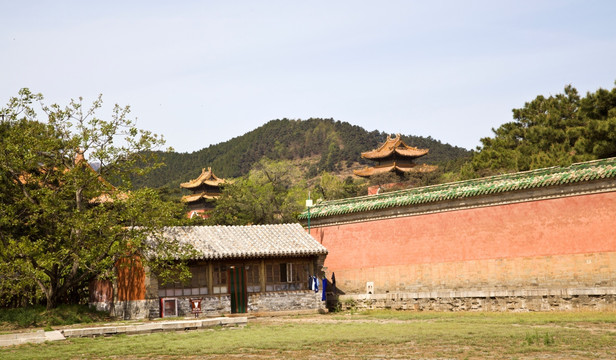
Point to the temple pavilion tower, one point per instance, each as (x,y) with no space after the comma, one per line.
(205,190)
(394,156)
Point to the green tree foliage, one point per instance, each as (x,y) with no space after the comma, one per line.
(61,222)
(269,194)
(386,178)
(550,131)
(332,186)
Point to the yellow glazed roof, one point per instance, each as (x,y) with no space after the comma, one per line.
(207,177)
(199,196)
(394,145)
(369,171)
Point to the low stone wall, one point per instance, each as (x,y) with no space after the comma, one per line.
(599,299)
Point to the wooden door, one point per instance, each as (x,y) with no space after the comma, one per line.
(237,289)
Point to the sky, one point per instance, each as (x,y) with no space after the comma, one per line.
(203,72)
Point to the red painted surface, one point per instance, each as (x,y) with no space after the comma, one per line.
(200,213)
(374,190)
(131,279)
(101,291)
(571,225)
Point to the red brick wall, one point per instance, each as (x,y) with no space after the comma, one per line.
(533,236)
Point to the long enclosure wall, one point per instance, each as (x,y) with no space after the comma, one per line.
(545,247)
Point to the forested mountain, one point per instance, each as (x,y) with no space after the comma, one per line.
(330,145)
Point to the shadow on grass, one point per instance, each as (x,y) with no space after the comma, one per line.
(38,316)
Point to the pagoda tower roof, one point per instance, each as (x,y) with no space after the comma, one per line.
(394,156)
(394,146)
(207,177)
(397,167)
(199,196)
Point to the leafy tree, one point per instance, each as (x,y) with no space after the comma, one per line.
(550,131)
(386,178)
(599,109)
(331,187)
(270,194)
(61,222)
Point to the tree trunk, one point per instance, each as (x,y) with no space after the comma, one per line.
(52,301)
(51,291)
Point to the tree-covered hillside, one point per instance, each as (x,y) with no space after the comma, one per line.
(333,146)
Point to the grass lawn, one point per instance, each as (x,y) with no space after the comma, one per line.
(370,335)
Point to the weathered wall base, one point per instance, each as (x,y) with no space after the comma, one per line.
(273,301)
(285,301)
(597,299)
(217,305)
(131,309)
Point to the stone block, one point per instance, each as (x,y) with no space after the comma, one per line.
(181,325)
(211,322)
(54,335)
(22,338)
(148,328)
(234,321)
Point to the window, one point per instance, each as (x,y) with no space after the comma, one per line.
(198,281)
(220,279)
(300,273)
(286,276)
(273,273)
(253,279)
(196,285)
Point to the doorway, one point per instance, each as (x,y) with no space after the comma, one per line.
(237,289)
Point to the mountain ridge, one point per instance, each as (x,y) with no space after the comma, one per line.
(337,145)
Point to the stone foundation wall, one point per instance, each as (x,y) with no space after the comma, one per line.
(596,299)
(259,302)
(132,309)
(216,305)
(285,301)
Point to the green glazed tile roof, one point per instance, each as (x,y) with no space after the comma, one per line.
(575,173)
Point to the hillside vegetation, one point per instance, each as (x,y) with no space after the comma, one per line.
(328,145)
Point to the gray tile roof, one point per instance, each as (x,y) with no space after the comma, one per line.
(252,241)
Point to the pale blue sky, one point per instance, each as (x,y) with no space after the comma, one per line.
(203,72)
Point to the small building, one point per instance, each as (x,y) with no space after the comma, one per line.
(531,241)
(257,268)
(205,190)
(394,156)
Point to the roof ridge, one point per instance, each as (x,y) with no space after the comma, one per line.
(231,226)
